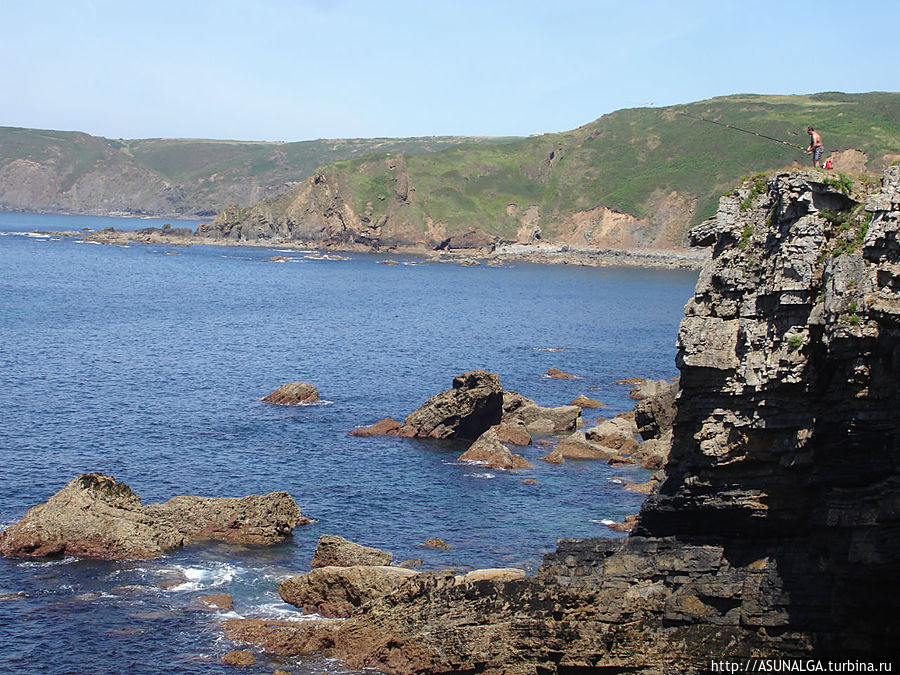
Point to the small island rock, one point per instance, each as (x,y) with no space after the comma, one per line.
(294,393)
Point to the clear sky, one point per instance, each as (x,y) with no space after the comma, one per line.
(302,69)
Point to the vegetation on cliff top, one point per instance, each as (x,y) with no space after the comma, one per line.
(629,161)
(201,176)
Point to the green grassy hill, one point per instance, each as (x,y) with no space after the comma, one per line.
(75,171)
(633,178)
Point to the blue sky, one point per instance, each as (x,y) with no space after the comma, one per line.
(302,69)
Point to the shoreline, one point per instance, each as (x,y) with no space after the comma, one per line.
(543,254)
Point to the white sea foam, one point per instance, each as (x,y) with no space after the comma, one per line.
(200,578)
(482,476)
(603,521)
(68,560)
(616,481)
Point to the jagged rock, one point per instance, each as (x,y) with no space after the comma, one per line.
(775,529)
(335,592)
(578,446)
(95,516)
(654,414)
(386,427)
(616,434)
(239,657)
(284,638)
(474,404)
(294,393)
(513,434)
(333,551)
(647,388)
(583,401)
(473,238)
(437,542)
(487,449)
(518,409)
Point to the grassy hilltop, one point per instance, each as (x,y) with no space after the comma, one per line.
(633,178)
(72,171)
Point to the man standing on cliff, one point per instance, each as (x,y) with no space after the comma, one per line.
(816,149)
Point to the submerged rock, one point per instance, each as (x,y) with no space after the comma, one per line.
(95,516)
(284,638)
(333,551)
(386,427)
(218,601)
(557,374)
(293,393)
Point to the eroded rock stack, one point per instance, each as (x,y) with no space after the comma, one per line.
(777,530)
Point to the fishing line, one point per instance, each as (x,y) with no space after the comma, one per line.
(728,126)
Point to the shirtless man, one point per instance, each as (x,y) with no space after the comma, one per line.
(816,149)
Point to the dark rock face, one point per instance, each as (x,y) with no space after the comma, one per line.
(94,516)
(777,529)
(471,407)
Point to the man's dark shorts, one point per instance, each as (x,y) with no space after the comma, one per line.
(818,151)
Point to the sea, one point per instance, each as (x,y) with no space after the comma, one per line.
(148,363)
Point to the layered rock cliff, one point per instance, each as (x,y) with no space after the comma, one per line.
(777,529)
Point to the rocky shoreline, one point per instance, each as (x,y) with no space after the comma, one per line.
(774,533)
(538,254)
(774,529)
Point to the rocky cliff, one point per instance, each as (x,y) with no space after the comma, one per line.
(632,180)
(777,530)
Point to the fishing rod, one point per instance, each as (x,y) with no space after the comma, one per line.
(728,126)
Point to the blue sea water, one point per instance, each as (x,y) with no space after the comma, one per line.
(149,366)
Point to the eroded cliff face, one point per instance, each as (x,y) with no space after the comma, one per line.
(777,530)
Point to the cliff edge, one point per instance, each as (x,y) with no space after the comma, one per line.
(777,530)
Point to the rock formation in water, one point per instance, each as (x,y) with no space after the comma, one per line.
(776,531)
(334,551)
(471,407)
(95,516)
(293,393)
(491,452)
